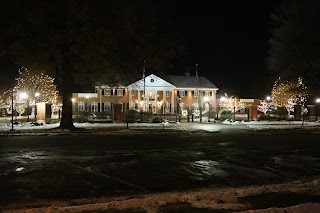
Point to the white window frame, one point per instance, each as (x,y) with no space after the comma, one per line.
(182,93)
(107,92)
(168,93)
(196,93)
(132,92)
(119,92)
(81,106)
(94,107)
(107,106)
(206,93)
(195,105)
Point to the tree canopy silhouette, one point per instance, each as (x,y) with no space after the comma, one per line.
(295,42)
(82,41)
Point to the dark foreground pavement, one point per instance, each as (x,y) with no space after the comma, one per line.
(169,172)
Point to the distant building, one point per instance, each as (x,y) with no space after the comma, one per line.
(159,95)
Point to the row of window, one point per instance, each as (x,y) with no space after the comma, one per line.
(111,92)
(182,93)
(94,106)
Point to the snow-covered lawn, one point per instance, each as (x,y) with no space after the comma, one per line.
(274,124)
(5,125)
(28,126)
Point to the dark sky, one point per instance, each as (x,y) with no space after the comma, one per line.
(227,39)
(229,42)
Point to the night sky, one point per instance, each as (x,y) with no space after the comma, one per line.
(228,40)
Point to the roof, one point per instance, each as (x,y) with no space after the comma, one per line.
(189,81)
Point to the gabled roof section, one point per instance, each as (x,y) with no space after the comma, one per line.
(189,82)
(151,82)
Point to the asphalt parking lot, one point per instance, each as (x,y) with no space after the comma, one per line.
(45,169)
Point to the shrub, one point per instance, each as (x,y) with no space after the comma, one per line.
(103,114)
(145,116)
(262,117)
(131,116)
(81,116)
(280,113)
(226,115)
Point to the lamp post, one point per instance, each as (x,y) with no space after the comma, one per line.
(268,98)
(25,96)
(317,110)
(87,96)
(72,103)
(36,94)
(222,100)
(12,109)
(178,108)
(206,100)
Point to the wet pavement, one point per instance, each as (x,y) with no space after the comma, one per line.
(64,167)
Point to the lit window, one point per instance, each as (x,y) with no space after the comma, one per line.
(107,106)
(196,94)
(182,93)
(119,92)
(195,106)
(94,107)
(81,106)
(107,92)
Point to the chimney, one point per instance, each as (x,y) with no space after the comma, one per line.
(187,74)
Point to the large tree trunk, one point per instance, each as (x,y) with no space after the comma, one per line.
(67,87)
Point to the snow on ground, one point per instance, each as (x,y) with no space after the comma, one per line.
(5,125)
(219,199)
(29,126)
(260,125)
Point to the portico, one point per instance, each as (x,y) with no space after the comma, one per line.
(152,94)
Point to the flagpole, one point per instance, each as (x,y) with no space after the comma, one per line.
(197,86)
(144,85)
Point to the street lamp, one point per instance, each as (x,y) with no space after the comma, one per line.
(222,100)
(25,96)
(206,100)
(317,110)
(268,98)
(36,94)
(178,108)
(87,96)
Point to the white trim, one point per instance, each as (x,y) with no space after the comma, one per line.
(194,88)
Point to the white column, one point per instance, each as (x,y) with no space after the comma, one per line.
(130,98)
(147,94)
(156,101)
(172,102)
(139,107)
(100,94)
(163,100)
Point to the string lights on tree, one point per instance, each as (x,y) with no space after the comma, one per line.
(287,94)
(38,87)
(232,104)
(265,106)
